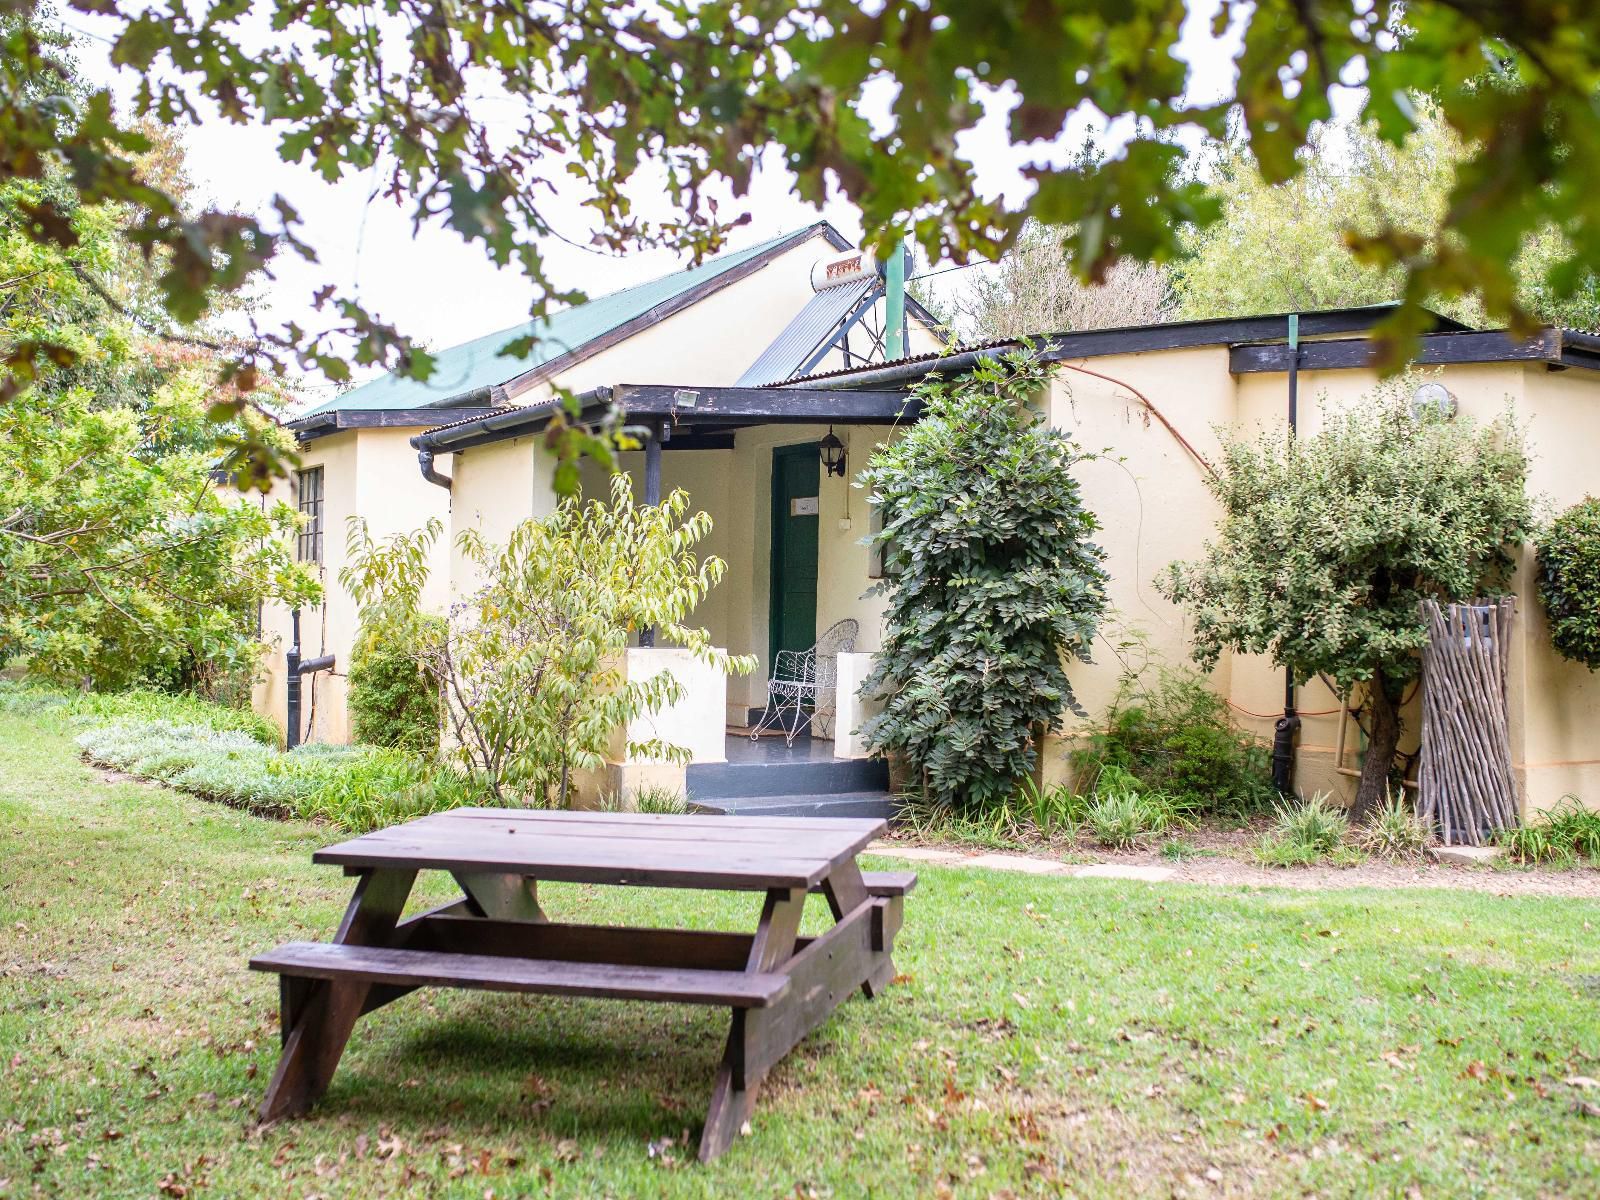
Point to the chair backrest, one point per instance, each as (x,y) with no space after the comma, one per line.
(838,638)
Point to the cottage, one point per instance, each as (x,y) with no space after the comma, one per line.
(792,531)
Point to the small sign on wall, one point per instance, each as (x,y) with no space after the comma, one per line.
(804,506)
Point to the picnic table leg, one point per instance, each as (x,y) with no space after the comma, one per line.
(733,1095)
(318,1018)
(845,889)
(503,897)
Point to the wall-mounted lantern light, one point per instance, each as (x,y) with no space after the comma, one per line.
(832,451)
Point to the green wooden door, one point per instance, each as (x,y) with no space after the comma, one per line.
(795,478)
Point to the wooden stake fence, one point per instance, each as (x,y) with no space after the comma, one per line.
(1467,787)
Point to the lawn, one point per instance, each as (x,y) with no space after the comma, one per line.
(1049,1036)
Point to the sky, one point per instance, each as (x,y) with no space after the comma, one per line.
(437,288)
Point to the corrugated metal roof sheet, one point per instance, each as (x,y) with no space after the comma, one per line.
(809,332)
(478,363)
(477,416)
(930,356)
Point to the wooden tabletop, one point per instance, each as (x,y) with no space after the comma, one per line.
(648,849)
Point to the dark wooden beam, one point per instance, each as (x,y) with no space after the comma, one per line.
(337,421)
(1434,349)
(765,406)
(707,410)
(700,441)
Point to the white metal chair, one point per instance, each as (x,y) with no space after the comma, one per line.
(804,679)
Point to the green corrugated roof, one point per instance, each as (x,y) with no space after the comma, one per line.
(476,364)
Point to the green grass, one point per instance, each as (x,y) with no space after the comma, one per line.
(1050,1035)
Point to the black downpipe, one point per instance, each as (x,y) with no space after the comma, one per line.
(296,668)
(432,475)
(1289,724)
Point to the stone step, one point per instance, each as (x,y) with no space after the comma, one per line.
(820,777)
(838,804)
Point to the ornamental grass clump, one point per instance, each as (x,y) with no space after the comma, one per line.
(1304,833)
(993,583)
(1562,835)
(1394,832)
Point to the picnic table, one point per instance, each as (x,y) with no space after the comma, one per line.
(778,985)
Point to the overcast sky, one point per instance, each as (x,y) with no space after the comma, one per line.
(435,287)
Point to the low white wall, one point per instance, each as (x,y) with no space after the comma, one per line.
(850,711)
(696,722)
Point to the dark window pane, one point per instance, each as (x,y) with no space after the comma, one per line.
(309,546)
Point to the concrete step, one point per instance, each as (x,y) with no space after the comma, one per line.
(821,777)
(840,804)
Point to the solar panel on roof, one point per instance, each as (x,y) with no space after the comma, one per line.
(813,328)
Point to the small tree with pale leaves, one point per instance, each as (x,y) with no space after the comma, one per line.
(532,663)
(1329,544)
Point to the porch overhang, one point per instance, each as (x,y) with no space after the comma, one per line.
(324,424)
(686,417)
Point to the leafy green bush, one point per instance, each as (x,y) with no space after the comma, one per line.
(1561,835)
(1329,543)
(1569,582)
(531,661)
(992,583)
(394,700)
(1174,734)
(1304,833)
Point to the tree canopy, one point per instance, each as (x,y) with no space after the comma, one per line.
(1284,247)
(121,560)
(869,103)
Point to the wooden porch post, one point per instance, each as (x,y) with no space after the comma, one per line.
(652,496)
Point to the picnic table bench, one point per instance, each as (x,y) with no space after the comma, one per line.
(778,985)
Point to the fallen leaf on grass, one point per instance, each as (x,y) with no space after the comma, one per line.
(1581,1081)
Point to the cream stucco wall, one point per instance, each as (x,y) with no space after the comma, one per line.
(371,473)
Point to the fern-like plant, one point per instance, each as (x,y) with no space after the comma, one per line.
(993,582)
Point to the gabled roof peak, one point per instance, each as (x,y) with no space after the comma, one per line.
(476,373)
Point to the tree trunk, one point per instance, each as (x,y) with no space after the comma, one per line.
(1383,739)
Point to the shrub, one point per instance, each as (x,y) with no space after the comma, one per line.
(530,662)
(394,700)
(1569,582)
(992,583)
(1304,833)
(1561,835)
(1394,831)
(1174,733)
